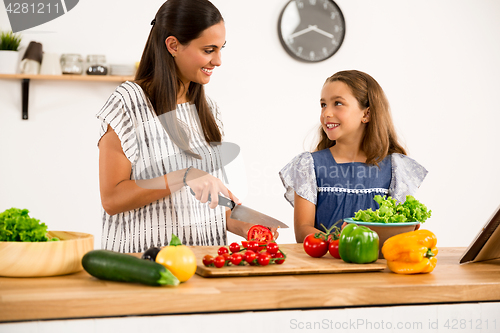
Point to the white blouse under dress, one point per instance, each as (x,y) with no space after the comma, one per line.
(152,154)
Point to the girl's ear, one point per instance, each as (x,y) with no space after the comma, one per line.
(172,44)
(366,116)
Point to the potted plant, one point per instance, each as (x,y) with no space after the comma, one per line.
(9,54)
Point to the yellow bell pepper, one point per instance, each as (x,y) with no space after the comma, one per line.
(411,252)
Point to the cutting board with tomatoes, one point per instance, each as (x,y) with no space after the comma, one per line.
(297,262)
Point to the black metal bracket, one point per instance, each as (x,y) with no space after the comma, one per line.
(25,96)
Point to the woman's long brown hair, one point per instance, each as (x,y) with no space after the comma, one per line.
(157,73)
(380,138)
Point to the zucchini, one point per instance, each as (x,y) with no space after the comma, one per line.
(115,266)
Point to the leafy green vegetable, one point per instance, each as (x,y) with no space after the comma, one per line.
(390,211)
(17,226)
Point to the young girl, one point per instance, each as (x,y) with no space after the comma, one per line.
(358,156)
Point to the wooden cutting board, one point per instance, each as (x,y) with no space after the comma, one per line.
(297,262)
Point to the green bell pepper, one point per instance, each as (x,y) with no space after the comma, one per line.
(358,244)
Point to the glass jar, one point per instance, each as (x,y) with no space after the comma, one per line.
(96,65)
(72,64)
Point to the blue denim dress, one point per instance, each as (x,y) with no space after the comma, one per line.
(339,190)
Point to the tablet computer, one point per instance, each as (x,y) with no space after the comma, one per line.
(486,245)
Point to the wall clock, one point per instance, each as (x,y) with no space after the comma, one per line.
(311,30)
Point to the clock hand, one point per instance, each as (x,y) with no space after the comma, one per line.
(301,32)
(315,28)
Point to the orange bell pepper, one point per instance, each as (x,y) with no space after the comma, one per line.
(411,252)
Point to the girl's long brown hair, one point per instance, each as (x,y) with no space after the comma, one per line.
(157,72)
(380,137)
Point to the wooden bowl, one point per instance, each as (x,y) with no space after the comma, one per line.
(386,230)
(35,259)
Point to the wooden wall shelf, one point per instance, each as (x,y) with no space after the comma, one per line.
(27,77)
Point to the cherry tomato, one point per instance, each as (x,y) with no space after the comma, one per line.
(219,261)
(272,248)
(260,233)
(234,247)
(249,256)
(226,256)
(208,260)
(236,258)
(263,259)
(253,246)
(222,250)
(279,255)
(333,248)
(315,245)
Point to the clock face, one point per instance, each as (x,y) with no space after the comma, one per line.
(311,30)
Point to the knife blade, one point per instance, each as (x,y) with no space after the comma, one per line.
(246,214)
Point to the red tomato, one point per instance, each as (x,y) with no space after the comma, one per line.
(234,247)
(279,255)
(272,248)
(253,246)
(219,261)
(315,245)
(333,248)
(226,256)
(249,256)
(208,260)
(245,245)
(222,250)
(236,258)
(259,233)
(263,259)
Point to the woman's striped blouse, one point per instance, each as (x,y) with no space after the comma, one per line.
(152,154)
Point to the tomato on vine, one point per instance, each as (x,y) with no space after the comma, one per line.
(222,250)
(208,260)
(253,246)
(263,259)
(278,256)
(219,261)
(272,248)
(316,245)
(234,247)
(333,248)
(236,258)
(250,253)
(249,256)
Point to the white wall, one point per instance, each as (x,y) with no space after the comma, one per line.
(438,62)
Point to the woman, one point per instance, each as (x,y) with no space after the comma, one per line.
(158,139)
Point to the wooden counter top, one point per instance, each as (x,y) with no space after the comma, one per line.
(82,296)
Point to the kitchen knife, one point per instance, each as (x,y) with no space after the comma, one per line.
(245,214)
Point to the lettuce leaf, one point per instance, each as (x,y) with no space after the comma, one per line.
(391,211)
(17,226)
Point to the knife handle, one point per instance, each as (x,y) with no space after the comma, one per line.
(223,201)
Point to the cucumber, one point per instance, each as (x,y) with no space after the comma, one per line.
(115,266)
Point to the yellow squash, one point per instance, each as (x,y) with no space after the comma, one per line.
(178,259)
